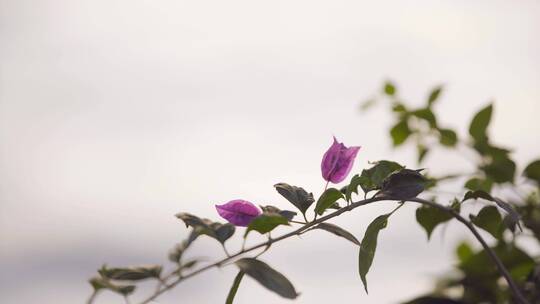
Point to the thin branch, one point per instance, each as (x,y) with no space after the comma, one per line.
(502,269)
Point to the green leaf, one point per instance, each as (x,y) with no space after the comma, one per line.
(220,232)
(490,220)
(400,132)
(99,283)
(476,183)
(266,222)
(434,95)
(403,184)
(532,171)
(368,246)
(389,88)
(480,265)
(286,213)
(422,152)
(427,115)
(234,288)
(338,231)
(398,107)
(479,124)
(372,178)
(223,232)
(464,252)
(327,199)
(513,216)
(430,217)
(368,104)
(501,169)
(131,273)
(436,299)
(296,195)
(447,137)
(356,181)
(268,277)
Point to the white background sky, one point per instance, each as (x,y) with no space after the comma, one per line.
(115,115)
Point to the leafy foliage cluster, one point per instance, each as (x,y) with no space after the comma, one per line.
(500,273)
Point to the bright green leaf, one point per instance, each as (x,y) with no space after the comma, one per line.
(434,95)
(266,222)
(427,115)
(327,199)
(389,88)
(400,132)
(372,178)
(447,137)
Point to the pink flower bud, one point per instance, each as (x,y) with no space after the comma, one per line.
(238,212)
(337,162)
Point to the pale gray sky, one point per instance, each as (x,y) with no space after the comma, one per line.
(115,115)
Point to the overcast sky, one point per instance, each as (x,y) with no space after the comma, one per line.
(115,115)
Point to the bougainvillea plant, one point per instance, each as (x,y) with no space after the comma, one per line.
(502,273)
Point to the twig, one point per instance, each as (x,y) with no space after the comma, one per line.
(502,269)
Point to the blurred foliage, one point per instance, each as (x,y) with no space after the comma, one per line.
(475,278)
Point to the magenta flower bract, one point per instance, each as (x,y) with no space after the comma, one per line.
(238,212)
(337,162)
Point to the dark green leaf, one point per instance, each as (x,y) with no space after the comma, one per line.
(389,88)
(434,300)
(430,217)
(476,183)
(403,184)
(327,199)
(447,137)
(501,169)
(234,288)
(266,222)
(480,265)
(131,273)
(479,124)
(532,171)
(434,95)
(215,230)
(99,283)
(337,231)
(400,132)
(372,178)
(427,115)
(286,213)
(490,220)
(189,264)
(356,181)
(296,195)
(268,277)
(368,246)
(514,216)
(223,232)
(477,194)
